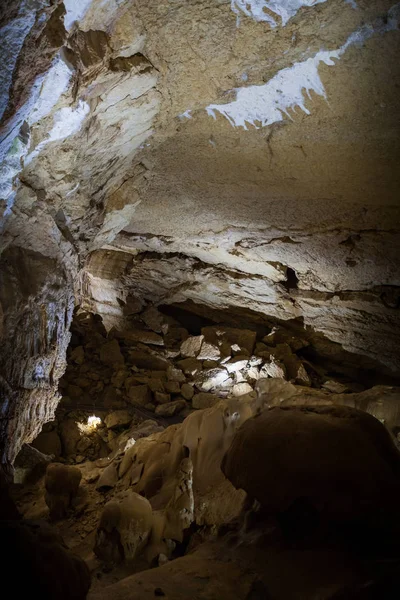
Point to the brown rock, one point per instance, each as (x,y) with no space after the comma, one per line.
(70,436)
(110,353)
(142,360)
(112,398)
(190,366)
(343,461)
(161,398)
(118,418)
(153,319)
(156,385)
(171,408)
(61,483)
(187,391)
(109,478)
(204,400)
(119,377)
(172,387)
(139,394)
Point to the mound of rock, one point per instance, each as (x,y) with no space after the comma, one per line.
(342,461)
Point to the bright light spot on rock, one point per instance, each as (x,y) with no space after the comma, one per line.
(92,424)
(129,444)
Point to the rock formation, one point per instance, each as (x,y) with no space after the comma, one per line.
(199,238)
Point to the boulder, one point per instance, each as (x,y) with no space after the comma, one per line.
(213,379)
(156,384)
(161,398)
(170,408)
(209,352)
(61,484)
(174,374)
(118,378)
(187,391)
(153,319)
(118,418)
(30,465)
(339,460)
(190,348)
(124,528)
(70,436)
(139,394)
(172,387)
(190,366)
(273,368)
(112,398)
(109,478)
(240,389)
(204,400)
(110,353)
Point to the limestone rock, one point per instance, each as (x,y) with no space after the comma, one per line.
(110,353)
(204,400)
(61,483)
(209,352)
(190,348)
(143,360)
(213,379)
(187,391)
(109,478)
(118,418)
(30,465)
(124,528)
(342,461)
(240,389)
(156,384)
(273,368)
(190,366)
(70,436)
(153,319)
(169,409)
(139,394)
(172,387)
(161,398)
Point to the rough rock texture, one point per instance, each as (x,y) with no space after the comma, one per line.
(246,161)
